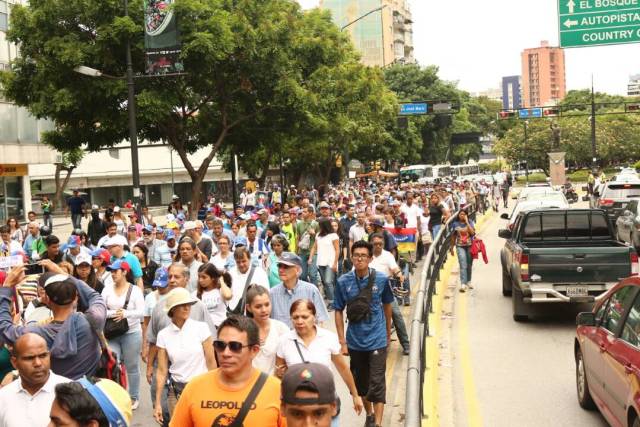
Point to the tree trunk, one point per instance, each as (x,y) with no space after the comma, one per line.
(196,196)
(60,187)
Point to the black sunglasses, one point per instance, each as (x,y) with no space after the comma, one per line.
(234,346)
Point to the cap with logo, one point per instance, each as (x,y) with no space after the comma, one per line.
(73,242)
(189,225)
(83,258)
(103,254)
(114,400)
(148,229)
(308,377)
(378,222)
(161,279)
(323,205)
(116,240)
(290,259)
(240,241)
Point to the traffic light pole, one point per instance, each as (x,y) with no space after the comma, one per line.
(594,152)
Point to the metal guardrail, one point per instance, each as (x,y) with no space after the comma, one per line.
(435,259)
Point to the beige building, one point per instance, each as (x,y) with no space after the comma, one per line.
(383,37)
(543,75)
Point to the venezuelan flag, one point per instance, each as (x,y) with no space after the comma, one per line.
(405,238)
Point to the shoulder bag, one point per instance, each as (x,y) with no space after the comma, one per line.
(248,402)
(359,308)
(115,328)
(239,309)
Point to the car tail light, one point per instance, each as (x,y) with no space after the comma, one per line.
(605,202)
(634,264)
(523,260)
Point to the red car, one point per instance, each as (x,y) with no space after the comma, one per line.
(607,353)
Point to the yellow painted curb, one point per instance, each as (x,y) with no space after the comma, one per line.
(430,387)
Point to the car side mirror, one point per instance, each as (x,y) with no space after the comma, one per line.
(504,216)
(504,234)
(585,198)
(586,319)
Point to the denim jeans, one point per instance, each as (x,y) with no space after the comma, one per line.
(398,322)
(46,219)
(309,272)
(466,263)
(435,229)
(128,346)
(328,277)
(165,395)
(76,220)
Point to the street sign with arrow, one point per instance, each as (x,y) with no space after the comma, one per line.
(598,22)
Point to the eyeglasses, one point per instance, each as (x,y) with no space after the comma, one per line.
(360,256)
(234,346)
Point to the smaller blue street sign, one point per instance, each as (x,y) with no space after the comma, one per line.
(413,109)
(530,113)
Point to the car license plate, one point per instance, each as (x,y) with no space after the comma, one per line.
(577,291)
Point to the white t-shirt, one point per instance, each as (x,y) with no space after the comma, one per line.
(135,308)
(215,305)
(219,261)
(357,232)
(239,280)
(384,263)
(266,358)
(19,409)
(320,350)
(150,302)
(411,213)
(184,349)
(325,250)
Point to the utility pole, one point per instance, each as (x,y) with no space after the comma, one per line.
(234,190)
(594,152)
(133,131)
(526,160)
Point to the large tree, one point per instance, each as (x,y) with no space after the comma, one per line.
(247,64)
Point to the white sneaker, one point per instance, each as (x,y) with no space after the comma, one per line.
(463,288)
(469,285)
(135,404)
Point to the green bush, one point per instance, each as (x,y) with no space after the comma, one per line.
(637,165)
(533,177)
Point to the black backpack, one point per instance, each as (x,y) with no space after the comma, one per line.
(359,308)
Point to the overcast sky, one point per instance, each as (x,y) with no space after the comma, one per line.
(477,42)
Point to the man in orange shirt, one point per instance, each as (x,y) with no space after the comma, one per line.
(217,398)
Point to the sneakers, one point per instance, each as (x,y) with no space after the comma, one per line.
(469,285)
(135,403)
(370,421)
(463,288)
(405,352)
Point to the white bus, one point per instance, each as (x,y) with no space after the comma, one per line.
(416,173)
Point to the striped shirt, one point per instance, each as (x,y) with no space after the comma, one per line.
(282,299)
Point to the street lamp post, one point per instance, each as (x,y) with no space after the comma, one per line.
(526,160)
(133,129)
(345,152)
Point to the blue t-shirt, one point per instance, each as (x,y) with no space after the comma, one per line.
(370,334)
(463,238)
(133,262)
(75,205)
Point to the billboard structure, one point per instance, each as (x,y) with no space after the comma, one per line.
(161,38)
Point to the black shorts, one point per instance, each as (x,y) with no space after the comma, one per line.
(368,369)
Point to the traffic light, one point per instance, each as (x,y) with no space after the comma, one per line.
(551,112)
(633,108)
(506,114)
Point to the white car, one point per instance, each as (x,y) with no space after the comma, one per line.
(546,201)
(527,192)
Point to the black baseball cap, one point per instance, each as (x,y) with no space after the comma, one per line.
(308,376)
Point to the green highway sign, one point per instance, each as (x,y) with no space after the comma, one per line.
(598,22)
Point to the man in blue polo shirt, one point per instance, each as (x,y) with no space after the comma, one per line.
(115,245)
(292,289)
(367,339)
(75,205)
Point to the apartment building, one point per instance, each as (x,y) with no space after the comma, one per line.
(543,75)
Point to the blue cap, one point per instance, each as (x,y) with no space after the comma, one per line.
(289,258)
(161,279)
(73,242)
(119,264)
(148,228)
(169,235)
(159,230)
(229,213)
(240,241)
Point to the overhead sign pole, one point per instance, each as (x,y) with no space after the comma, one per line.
(598,22)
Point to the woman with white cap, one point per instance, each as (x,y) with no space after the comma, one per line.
(187,344)
(125,302)
(84,271)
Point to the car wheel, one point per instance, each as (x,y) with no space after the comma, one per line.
(519,307)
(506,283)
(582,385)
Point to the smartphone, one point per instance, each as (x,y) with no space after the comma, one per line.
(33,269)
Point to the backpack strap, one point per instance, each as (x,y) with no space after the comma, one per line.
(248,402)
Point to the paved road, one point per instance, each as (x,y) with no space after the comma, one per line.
(496,372)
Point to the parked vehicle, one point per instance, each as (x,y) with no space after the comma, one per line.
(607,355)
(561,256)
(555,200)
